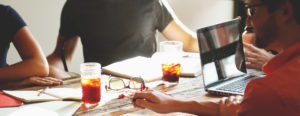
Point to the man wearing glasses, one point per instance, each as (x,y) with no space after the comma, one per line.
(277,94)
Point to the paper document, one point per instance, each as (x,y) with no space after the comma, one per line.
(52,94)
(150,68)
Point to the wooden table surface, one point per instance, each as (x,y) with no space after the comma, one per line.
(188,88)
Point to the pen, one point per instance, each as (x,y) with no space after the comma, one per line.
(42,91)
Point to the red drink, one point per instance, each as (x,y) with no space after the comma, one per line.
(91,92)
(171,72)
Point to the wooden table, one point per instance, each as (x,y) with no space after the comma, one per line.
(188,88)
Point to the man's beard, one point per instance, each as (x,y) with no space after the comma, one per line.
(267,34)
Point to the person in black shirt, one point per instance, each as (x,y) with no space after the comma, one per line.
(114,30)
(33,68)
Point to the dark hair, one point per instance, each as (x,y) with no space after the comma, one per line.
(274,4)
(296,5)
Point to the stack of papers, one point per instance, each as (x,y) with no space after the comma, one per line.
(150,68)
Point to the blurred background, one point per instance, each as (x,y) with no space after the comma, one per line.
(43,19)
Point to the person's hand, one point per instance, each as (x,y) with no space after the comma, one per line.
(230,105)
(58,73)
(154,100)
(42,81)
(255,57)
(249,37)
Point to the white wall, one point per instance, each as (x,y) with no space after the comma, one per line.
(195,14)
(43,18)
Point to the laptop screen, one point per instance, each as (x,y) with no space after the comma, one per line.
(221,52)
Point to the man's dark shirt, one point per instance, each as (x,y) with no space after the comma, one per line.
(10,23)
(113,30)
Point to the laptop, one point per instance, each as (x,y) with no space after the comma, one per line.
(222,58)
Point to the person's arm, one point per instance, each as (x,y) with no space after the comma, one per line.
(33,61)
(54,59)
(174,32)
(163,103)
(41,81)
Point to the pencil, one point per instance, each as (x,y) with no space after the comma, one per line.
(42,91)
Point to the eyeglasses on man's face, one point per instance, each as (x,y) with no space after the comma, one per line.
(251,8)
(116,83)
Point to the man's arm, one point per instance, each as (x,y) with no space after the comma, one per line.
(163,103)
(33,61)
(174,32)
(54,59)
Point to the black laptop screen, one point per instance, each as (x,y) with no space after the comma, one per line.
(221,52)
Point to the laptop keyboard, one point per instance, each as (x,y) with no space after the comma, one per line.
(236,86)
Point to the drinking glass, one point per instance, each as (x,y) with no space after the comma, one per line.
(90,83)
(171,56)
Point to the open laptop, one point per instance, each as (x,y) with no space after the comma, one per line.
(222,58)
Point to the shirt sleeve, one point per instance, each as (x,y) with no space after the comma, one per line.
(14,23)
(259,100)
(163,16)
(67,28)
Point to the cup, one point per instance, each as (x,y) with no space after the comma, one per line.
(171,56)
(90,83)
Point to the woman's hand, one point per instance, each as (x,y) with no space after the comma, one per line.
(42,81)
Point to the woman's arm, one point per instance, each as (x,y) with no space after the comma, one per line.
(40,81)
(33,61)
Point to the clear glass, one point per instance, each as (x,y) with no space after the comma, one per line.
(171,46)
(90,83)
(171,52)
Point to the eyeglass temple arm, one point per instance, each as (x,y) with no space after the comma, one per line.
(139,79)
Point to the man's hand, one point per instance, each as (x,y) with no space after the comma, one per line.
(230,105)
(43,81)
(255,57)
(154,100)
(58,73)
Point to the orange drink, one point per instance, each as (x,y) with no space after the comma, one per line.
(91,92)
(170,59)
(171,72)
(90,83)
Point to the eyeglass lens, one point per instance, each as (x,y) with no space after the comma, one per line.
(117,83)
(135,84)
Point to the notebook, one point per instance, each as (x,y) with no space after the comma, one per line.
(52,94)
(51,108)
(150,68)
(222,58)
(8,101)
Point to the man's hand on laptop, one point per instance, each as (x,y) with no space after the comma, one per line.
(255,57)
